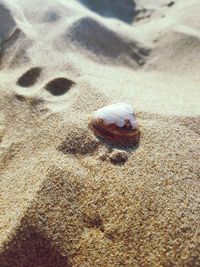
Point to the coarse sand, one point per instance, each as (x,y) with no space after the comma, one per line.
(68,198)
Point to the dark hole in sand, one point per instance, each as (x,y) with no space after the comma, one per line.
(94,222)
(59,86)
(170,3)
(30,77)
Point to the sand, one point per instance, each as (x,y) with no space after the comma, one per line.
(68,198)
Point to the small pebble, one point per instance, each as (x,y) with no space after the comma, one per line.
(118,156)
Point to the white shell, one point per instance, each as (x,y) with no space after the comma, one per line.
(116,123)
(117,114)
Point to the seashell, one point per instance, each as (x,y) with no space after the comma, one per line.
(116,123)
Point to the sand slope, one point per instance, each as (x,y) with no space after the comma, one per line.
(63,201)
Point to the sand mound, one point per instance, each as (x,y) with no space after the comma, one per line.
(99,46)
(13,40)
(173,48)
(67,197)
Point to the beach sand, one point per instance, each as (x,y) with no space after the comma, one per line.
(63,200)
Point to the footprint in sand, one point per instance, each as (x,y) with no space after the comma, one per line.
(59,86)
(30,77)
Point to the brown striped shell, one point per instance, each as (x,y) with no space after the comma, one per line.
(116,123)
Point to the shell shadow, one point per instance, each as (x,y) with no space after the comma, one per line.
(110,146)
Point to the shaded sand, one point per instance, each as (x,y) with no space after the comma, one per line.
(65,200)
